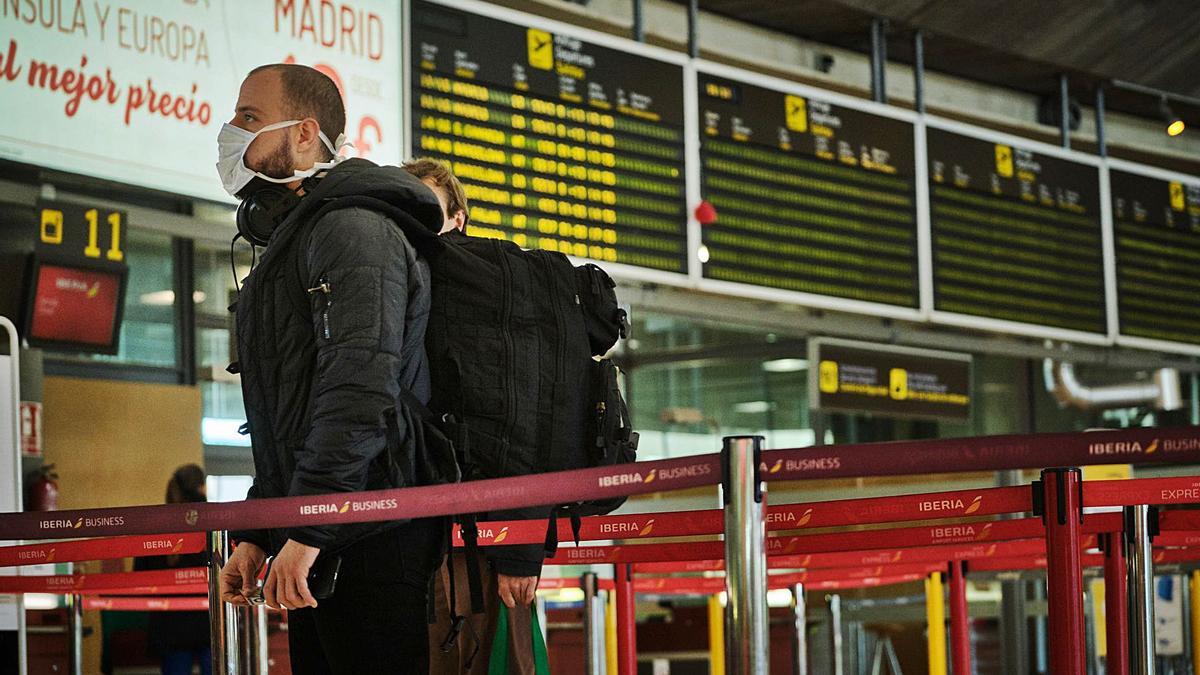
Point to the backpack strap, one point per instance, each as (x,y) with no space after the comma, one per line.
(469,529)
(550,545)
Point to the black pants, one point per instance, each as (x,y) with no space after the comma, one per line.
(376,620)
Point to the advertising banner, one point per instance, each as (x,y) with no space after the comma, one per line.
(135,91)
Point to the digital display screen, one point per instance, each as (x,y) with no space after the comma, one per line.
(75,307)
(809,196)
(561,144)
(1016,234)
(891,381)
(1156,236)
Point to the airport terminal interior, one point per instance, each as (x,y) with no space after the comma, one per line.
(833,224)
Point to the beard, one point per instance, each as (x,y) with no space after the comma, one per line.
(278,162)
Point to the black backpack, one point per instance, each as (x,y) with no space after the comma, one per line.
(510,343)
(511,340)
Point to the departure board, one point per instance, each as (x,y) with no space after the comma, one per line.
(809,196)
(1156,236)
(561,144)
(1016,235)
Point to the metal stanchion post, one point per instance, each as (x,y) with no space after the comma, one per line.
(1116,603)
(75,606)
(1194,600)
(247,641)
(935,618)
(800,610)
(1141,588)
(593,634)
(610,634)
(223,618)
(716,636)
(960,620)
(1040,638)
(626,621)
(255,652)
(835,634)
(1062,514)
(262,653)
(746,633)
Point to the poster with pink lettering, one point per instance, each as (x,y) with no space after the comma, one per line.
(135,91)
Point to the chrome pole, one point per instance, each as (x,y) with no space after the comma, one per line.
(223,617)
(592,624)
(75,606)
(746,635)
(835,634)
(1141,591)
(800,667)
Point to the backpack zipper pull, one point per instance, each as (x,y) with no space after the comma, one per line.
(322,288)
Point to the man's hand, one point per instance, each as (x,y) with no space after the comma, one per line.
(239,575)
(287,584)
(516,590)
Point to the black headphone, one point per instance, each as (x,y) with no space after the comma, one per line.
(263,210)
(265,205)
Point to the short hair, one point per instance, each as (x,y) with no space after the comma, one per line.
(308,92)
(439,172)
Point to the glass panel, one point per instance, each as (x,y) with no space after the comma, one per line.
(686,405)
(148,331)
(222,392)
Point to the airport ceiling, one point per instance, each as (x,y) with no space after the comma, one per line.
(1020,44)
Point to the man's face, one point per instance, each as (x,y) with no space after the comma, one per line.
(259,104)
(449,222)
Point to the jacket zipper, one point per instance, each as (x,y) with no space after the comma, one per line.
(324,287)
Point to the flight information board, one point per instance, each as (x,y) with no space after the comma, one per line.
(810,196)
(561,144)
(1156,235)
(1016,235)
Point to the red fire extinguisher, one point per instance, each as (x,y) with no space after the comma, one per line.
(42,492)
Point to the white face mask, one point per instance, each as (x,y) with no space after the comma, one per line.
(232,143)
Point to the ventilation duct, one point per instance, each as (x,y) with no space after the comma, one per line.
(1162,392)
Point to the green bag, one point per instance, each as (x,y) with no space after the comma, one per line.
(498,664)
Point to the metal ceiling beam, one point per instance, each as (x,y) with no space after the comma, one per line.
(793,323)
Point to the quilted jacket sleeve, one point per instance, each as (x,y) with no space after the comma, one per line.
(358,266)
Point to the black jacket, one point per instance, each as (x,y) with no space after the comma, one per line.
(330,327)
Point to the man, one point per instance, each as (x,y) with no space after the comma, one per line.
(330,328)
(513,571)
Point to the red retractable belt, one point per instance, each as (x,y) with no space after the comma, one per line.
(169,581)
(102,549)
(133,604)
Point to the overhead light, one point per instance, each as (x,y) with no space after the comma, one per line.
(1175,125)
(752,407)
(158,298)
(167,298)
(785,365)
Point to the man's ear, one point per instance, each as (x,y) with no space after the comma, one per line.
(309,146)
(460,220)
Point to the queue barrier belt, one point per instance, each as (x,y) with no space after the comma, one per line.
(989,453)
(180,581)
(102,549)
(136,604)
